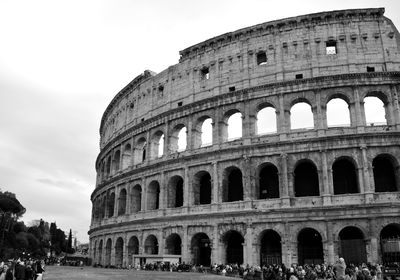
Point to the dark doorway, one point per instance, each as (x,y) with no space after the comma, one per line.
(268,182)
(306,180)
(234,247)
(233,185)
(390,243)
(344,177)
(352,245)
(151,245)
(174,244)
(201,249)
(271,248)
(384,174)
(309,244)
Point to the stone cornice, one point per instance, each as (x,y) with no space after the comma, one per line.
(276,26)
(312,83)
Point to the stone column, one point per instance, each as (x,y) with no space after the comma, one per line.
(216,125)
(216,250)
(128,199)
(186,187)
(143,205)
(247,123)
(166,140)
(319,114)
(247,185)
(163,195)
(248,257)
(189,135)
(215,181)
(284,189)
(161,242)
(330,248)
(125,256)
(325,182)
(360,114)
(284,119)
(396,106)
(116,201)
(185,246)
(367,185)
(113,239)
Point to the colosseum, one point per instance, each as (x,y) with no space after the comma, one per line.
(257,148)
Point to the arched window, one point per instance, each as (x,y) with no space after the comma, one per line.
(127,156)
(268,182)
(386,175)
(271,248)
(153,196)
(309,245)
(200,247)
(374,110)
(352,245)
(301,116)
(173,244)
(108,167)
(178,140)
(233,242)
(100,250)
(337,113)
(232,185)
(117,158)
(234,128)
(141,150)
(306,179)
(122,202)
(110,205)
(182,142)
(206,132)
(136,199)
(266,120)
(151,245)
(344,177)
(133,249)
(108,252)
(119,252)
(175,192)
(202,188)
(157,145)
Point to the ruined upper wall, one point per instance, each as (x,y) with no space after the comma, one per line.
(292,48)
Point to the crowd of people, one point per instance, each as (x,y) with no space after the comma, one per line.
(22,270)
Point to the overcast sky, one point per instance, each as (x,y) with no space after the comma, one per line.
(61,63)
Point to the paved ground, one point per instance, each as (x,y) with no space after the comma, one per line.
(90,273)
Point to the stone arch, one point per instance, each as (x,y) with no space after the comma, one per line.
(306,182)
(203,132)
(127,156)
(390,239)
(110,204)
(108,252)
(375,106)
(200,248)
(116,161)
(266,119)
(233,243)
(122,202)
(270,247)
(151,245)
(232,184)
(153,195)
(119,252)
(133,249)
(344,173)
(202,189)
(94,251)
(136,199)
(231,128)
(386,173)
(100,250)
(268,181)
(108,166)
(352,245)
(301,114)
(157,145)
(309,247)
(178,138)
(337,111)
(173,244)
(175,192)
(140,150)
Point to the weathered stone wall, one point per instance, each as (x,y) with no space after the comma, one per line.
(221,76)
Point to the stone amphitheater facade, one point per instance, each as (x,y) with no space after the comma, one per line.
(279,195)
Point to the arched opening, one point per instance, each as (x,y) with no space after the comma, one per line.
(266,121)
(95,251)
(234,126)
(306,179)
(122,202)
(157,145)
(100,258)
(108,167)
(232,185)
(337,113)
(103,208)
(206,132)
(116,160)
(110,204)
(153,196)
(119,252)
(151,245)
(202,188)
(352,245)
(385,176)
(374,109)
(108,252)
(233,242)
(133,249)
(268,182)
(136,199)
(175,192)
(344,177)
(200,247)
(173,244)
(271,248)
(178,140)
(141,150)
(390,243)
(127,156)
(182,141)
(310,249)
(102,171)
(301,116)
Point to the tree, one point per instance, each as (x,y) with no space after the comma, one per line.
(69,243)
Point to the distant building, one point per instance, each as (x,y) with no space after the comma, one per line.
(270,190)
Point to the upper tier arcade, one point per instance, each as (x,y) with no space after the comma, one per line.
(303,47)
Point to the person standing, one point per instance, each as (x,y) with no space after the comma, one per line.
(39,270)
(340,268)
